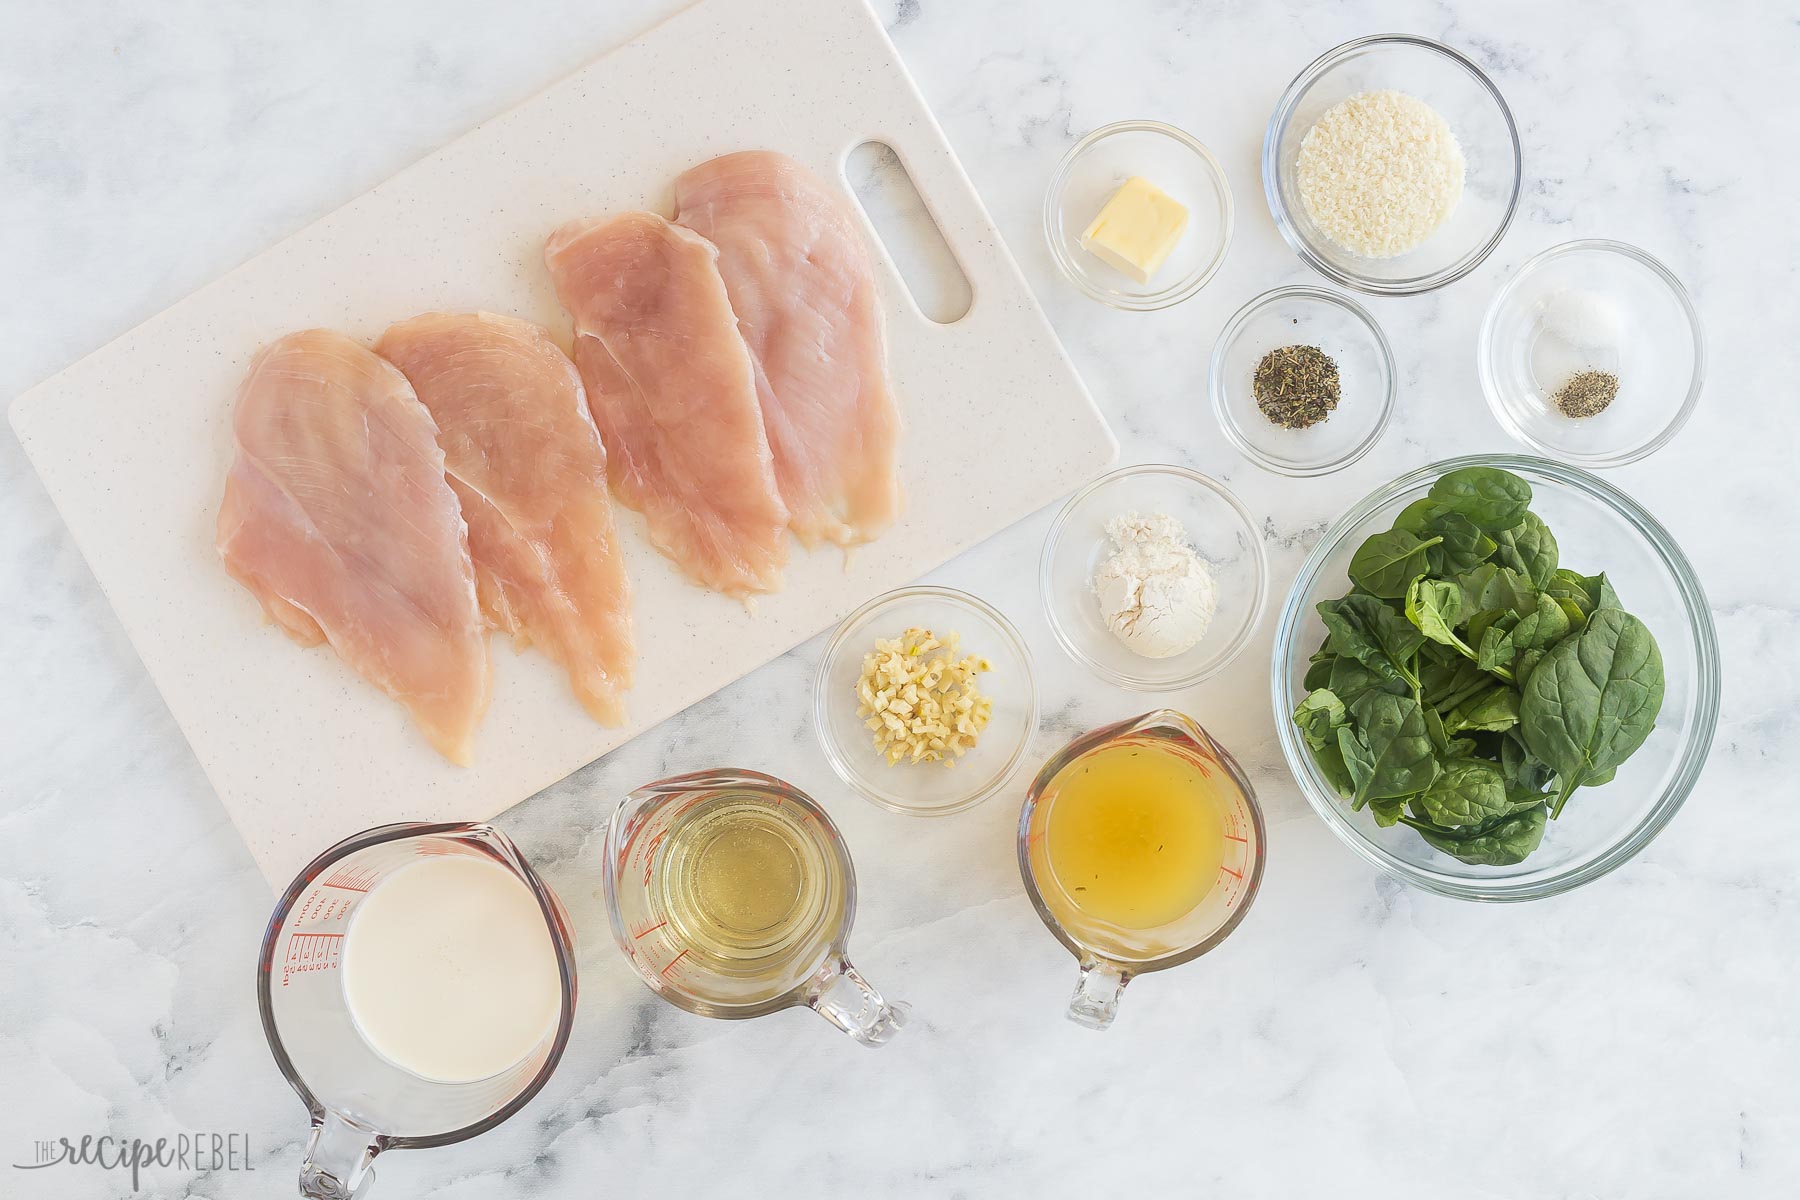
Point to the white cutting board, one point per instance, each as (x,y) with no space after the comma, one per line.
(133,441)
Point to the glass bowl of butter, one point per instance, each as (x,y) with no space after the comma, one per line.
(1138,215)
(1153,577)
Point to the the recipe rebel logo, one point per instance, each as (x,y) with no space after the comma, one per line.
(194,1153)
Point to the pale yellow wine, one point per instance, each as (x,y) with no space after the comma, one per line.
(742,881)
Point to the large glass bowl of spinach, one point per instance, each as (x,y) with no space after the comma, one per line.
(1530,699)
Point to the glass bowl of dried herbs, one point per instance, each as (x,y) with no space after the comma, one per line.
(1563,647)
(1592,353)
(1302,381)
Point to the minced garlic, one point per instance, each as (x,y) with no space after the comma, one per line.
(921,706)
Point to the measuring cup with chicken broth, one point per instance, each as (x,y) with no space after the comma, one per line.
(1141,846)
(417,987)
(732,894)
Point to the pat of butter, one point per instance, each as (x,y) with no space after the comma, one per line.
(1137,229)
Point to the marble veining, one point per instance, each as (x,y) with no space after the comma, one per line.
(1634,1038)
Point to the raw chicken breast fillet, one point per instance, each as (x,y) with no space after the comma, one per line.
(673,390)
(523,456)
(801,282)
(338,518)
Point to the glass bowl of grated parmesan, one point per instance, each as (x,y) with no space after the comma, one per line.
(1391,165)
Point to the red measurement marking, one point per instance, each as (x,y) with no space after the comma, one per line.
(308,952)
(1232,837)
(651,930)
(650,853)
(349,879)
(672,963)
(1231,872)
(1035,838)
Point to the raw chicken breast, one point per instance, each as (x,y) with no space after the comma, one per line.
(338,518)
(524,458)
(800,280)
(673,391)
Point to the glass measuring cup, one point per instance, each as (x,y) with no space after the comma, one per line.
(362,1104)
(1111,955)
(732,895)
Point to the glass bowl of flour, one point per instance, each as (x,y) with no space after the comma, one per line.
(1153,577)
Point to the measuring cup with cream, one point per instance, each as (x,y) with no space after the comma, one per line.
(417,987)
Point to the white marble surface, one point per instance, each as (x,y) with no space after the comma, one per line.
(1635,1038)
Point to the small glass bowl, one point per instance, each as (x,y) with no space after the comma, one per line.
(927,789)
(1306,316)
(1218,527)
(1656,351)
(1598,528)
(1175,162)
(1464,96)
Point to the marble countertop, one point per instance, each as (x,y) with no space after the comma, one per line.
(1634,1038)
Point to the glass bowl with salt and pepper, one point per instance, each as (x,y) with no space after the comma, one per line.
(1592,352)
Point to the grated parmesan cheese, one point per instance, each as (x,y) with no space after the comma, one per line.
(1380,172)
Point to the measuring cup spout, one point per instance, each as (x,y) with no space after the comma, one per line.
(338,1158)
(1096,999)
(842,996)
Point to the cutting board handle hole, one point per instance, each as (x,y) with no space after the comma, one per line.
(910,234)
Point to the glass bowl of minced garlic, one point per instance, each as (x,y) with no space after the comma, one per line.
(1391,165)
(925,701)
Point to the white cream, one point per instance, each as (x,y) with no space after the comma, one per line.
(1156,595)
(449,970)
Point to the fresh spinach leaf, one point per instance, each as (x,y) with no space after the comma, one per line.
(1502,843)
(1543,627)
(1418,516)
(1359,763)
(1493,499)
(1319,716)
(1387,812)
(1434,606)
(1350,679)
(1496,652)
(1593,700)
(1434,729)
(1493,710)
(1523,772)
(1364,628)
(1582,594)
(1398,758)
(1491,586)
(1528,548)
(1463,548)
(1469,791)
(1318,672)
(1385,563)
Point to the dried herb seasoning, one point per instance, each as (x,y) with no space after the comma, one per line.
(1296,386)
(1586,393)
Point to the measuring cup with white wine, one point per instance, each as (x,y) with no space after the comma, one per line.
(417,987)
(732,894)
(1141,846)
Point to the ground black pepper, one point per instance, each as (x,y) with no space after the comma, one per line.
(1586,393)
(1296,386)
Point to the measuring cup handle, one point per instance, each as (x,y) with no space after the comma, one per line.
(338,1158)
(1096,999)
(843,997)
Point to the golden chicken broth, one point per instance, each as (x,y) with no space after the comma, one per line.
(1134,836)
